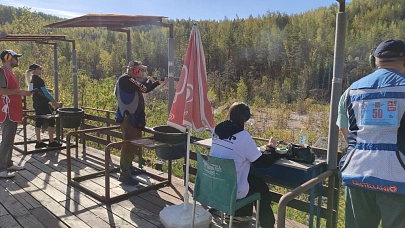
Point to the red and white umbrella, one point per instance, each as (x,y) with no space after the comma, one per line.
(191,108)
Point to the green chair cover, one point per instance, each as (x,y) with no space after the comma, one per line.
(216,186)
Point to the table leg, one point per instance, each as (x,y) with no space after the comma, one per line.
(311,207)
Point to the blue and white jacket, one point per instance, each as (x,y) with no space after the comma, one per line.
(375,159)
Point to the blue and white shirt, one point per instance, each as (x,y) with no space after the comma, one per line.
(375,159)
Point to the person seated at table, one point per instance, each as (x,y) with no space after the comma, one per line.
(231,141)
(41,99)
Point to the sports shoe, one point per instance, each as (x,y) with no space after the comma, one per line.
(54,144)
(5,174)
(15,168)
(238,219)
(40,145)
(129,181)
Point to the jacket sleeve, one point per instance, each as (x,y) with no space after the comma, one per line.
(151,85)
(268,158)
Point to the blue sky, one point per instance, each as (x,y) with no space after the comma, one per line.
(173,9)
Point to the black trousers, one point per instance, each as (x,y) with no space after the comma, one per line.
(43,109)
(266,215)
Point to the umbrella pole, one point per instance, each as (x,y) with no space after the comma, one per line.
(186,196)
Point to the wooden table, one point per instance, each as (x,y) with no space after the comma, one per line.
(289,174)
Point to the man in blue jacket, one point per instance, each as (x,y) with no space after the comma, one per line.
(131,114)
(373,169)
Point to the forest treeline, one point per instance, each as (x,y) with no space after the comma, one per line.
(267,59)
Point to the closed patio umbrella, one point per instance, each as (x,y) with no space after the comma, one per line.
(191,110)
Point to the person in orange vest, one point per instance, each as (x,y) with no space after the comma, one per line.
(11,111)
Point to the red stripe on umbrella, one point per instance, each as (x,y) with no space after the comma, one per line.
(191,107)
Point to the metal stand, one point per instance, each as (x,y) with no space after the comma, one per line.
(58,134)
(149,143)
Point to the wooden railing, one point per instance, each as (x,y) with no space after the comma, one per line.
(96,118)
(291,199)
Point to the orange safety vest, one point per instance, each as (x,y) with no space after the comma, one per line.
(11,104)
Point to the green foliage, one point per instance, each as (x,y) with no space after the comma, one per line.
(242,91)
(281,58)
(282,65)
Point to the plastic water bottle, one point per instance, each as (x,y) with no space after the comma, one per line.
(304,137)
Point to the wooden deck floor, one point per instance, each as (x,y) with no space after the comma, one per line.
(40,197)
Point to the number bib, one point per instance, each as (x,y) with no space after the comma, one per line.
(383,112)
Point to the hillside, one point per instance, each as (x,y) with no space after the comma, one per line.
(275,56)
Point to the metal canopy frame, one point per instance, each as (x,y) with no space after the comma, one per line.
(51,40)
(43,39)
(122,23)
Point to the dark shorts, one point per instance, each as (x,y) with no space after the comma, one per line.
(43,109)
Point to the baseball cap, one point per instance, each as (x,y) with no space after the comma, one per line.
(137,64)
(11,52)
(390,49)
(34,66)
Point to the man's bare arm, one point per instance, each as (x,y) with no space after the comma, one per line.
(345,133)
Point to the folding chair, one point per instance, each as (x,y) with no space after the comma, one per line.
(215,186)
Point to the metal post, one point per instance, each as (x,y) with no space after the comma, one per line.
(129,47)
(55,71)
(336,88)
(74,74)
(338,67)
(170,69)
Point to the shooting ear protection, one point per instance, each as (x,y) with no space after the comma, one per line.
(136,70)
(371,60)
(134,66)
(246,113)
(8,57)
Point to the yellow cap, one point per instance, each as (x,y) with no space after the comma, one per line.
(303,128)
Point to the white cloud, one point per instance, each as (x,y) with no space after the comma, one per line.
(58,13)
(47,7)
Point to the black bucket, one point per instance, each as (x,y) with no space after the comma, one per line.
(70,117)
(168,134)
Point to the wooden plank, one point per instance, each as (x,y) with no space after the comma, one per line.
(144,214)
(105,212)
(23,197)
(57,209)
(8,221)
(3,211)
(91,216)
(36,177)
(130,217)
(29,221)
(47,218)
(84,214)
(13,206)
(78,206)
(117,219)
